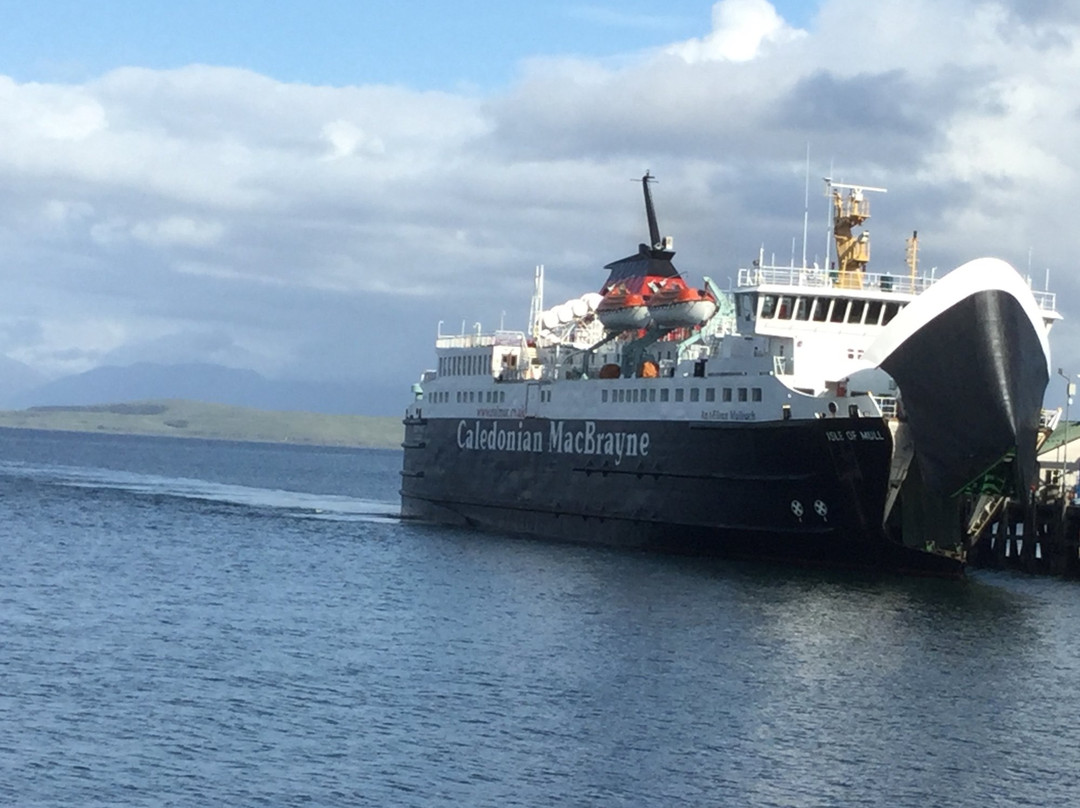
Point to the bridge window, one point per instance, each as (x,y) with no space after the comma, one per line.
(821,309)
(768,305)
(890,311)
(802,308)
(784,308)
(873,312)
(855,311)
(839,309)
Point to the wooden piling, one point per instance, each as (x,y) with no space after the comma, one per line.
(1037,537)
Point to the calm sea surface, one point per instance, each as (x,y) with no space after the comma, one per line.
(200,623)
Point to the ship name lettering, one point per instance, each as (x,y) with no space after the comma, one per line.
(495,437)
(590,441)
(871,434)
(728,415)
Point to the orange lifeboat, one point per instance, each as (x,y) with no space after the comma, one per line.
(623,310)
(676,305)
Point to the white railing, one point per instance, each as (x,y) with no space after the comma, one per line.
(811,278)
(480,340)
(887,405)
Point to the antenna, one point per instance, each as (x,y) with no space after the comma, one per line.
(536,307)
(828,220)
(858,189)
(806,205)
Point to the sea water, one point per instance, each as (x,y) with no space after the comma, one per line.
(209,623)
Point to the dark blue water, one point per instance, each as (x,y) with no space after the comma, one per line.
(201,623)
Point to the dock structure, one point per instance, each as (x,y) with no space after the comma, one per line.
(1040,537)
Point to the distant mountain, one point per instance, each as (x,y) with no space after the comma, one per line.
(16,378)
(213,384)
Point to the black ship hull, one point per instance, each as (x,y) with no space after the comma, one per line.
(807,491)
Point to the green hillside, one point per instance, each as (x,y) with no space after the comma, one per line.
(196,419)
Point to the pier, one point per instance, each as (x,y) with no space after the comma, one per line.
(1041,537)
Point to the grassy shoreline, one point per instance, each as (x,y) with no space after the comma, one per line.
(195,419)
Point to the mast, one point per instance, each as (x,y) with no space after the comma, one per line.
(650,212)
(913,255)
(852,250)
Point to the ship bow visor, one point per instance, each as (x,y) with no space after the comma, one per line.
(971,359)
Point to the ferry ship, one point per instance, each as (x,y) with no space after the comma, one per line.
(830,416)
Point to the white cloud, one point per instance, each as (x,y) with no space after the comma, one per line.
(178,231)
(740,29)
(346,139)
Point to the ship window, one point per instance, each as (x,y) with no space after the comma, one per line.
(873,312)
(725,394)
(802,308)
(644,395)
(855,311)
(621,392)
(603,396)
(695,394)
(784,308)
(755,394)
(633,396)
(821,309)
(742,394)
(768,305)
(678,394)
(502,396)
(890,311)
(710,394)
(663,394)
(839,309)
(652,394)
(747,304)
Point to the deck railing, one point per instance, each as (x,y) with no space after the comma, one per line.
(816,278)
(480,340)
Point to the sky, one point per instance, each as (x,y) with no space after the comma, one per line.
(312,190)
